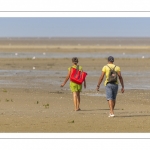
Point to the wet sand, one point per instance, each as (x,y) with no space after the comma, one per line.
(32,100)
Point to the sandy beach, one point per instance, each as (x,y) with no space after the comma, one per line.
(32,100)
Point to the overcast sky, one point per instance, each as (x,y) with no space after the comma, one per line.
(74,27)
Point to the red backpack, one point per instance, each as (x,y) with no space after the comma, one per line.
(76,75)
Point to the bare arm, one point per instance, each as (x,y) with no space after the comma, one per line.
(121,81)
(67,78)
(100,80)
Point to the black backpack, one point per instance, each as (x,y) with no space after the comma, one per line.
(112,78)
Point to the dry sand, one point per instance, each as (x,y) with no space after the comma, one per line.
(32,100)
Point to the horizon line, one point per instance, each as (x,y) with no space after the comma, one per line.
(49,37)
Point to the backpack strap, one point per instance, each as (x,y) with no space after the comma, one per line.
(114,68)
(111,68)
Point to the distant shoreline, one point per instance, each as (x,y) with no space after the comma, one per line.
(68,37)
(98,41)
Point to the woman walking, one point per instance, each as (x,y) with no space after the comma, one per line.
(74,87)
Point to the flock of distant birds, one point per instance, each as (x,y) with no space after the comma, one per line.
(32,57)
(142,56)
(45,54)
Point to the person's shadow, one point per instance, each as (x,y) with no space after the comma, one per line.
(128,116)
(96,109)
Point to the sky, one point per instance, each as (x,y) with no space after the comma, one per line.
(74,27)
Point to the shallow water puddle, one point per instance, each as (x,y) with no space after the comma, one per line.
(94,94)
(53,78)
(35,55)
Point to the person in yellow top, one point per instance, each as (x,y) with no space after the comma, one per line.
(74,87)
(111,85)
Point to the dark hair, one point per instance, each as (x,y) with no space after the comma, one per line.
(75,60)
(111,59)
